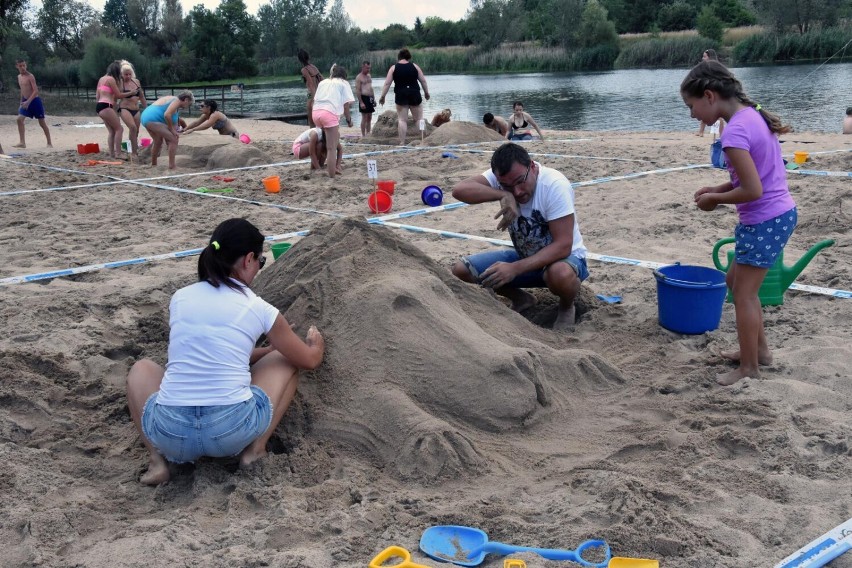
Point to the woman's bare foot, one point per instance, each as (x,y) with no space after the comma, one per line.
(251,455)
(731,377)
(763,358)
(21,145)
(565,319)
(158,471)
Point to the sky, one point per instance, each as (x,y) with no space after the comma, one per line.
(366,14)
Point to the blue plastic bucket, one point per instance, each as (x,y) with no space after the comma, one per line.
(690,298)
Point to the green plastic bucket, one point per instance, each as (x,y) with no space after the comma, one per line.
(280,248)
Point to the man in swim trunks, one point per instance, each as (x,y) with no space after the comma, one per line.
(496,123)
(366,97)
(31,105)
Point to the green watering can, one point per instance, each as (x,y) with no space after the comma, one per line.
(779,277)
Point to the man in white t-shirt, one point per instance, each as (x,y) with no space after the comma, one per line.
(537,206)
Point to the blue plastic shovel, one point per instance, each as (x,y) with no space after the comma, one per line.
(467,546)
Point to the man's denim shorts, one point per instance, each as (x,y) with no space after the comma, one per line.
(759,245)
(479,263)
(185,433)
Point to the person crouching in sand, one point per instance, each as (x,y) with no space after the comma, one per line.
(219,395)
(537,206)
(311,143)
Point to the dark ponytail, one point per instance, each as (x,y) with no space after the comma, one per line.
(230,241)
(713,76)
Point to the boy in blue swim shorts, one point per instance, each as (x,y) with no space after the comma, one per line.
(537,207)
(31,105)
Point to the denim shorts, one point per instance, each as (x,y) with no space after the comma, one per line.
(479,263)
(759,245)
(185,433)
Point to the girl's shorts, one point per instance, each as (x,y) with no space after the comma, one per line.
(325,118)
(297,147)
(759,245)
(185,433)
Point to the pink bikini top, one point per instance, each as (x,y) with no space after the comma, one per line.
(105,89)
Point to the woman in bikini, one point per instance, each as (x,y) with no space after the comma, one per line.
(212,118)
(108,93)
(520,123)
(129,108)
(311,76)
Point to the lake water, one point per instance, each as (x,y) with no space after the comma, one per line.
(809,97)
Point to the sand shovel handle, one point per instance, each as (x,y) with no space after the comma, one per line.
(548,553)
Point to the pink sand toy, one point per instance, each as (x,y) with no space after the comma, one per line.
(244,138)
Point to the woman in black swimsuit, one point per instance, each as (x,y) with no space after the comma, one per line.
(311,76)
(405,75)
(520,123)
(212,118)
(130,108)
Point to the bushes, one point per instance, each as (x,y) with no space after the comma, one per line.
(768,47)
(658,52)
(101,50)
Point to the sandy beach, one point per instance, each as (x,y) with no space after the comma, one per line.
(436,404)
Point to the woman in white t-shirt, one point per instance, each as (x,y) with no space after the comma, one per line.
(333,98)
(219,395)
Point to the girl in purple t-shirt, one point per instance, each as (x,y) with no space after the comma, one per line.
(758,188)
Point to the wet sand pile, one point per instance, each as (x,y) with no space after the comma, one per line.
(461,132)
(411,346)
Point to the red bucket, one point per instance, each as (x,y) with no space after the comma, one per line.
(380,201)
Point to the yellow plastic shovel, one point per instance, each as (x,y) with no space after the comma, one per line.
(621,562)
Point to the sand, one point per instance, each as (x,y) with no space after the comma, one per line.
(435,404)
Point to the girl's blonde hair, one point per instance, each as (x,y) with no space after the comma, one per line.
(713,76)
(126,65)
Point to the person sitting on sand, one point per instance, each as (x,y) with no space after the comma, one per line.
(537,206)
(212,118)
(520,124)
(496,123)
(311,143)
(847,122)
(442,117)
(219,395)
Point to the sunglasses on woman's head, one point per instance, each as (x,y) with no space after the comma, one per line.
(262,260)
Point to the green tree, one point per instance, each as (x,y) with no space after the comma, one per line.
(281,23)
(102,50)
(440,32)
(223,41)
(11,20)
(709,25)
(676,16)
(172,27)
(115,18)
(486,24)
(801,14)
(62,26)
(595,28)
(618,13)
(733,13)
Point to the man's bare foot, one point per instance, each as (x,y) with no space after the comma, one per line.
(49,145)
(763,358)
(250,456)
(158,471)
(565,319)
(21,145)
(731,377)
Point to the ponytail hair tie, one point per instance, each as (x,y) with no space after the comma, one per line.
(757,107)
(215,245)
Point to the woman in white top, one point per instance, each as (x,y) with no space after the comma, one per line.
(219,395)
(332,98)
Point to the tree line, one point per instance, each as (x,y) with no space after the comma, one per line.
(67,42)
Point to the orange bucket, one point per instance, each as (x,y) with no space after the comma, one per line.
(272,184)
(800,157)
(386,185)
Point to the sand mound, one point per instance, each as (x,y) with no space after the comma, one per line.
(412,347)
(461,132)
(385,130)
(236,156)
